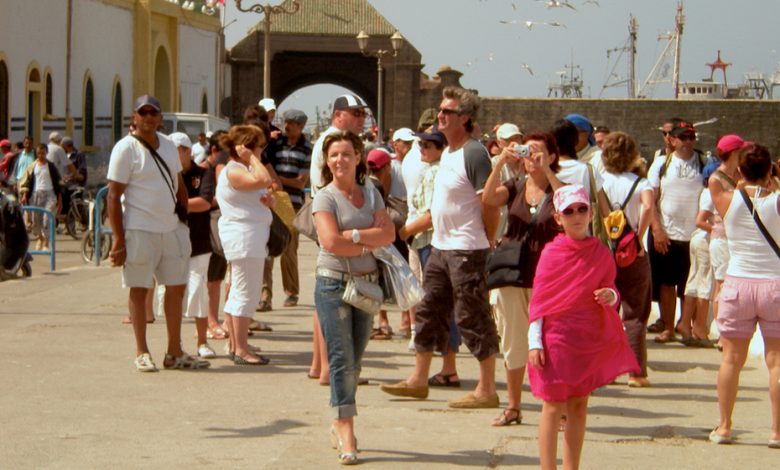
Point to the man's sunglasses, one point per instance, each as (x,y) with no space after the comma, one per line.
(148,112)
(448,111)
(358,113)
(580,210)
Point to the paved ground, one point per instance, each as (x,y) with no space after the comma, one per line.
(70,397)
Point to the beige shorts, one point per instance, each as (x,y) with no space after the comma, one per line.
(511,311)
(161,256)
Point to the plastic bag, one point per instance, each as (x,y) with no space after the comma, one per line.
(398,277)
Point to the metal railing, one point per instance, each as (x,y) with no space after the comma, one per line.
(51,252)
(98,230)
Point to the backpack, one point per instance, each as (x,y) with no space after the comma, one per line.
(668,162)
(622,238)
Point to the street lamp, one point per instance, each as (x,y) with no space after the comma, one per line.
(396,41)
(267,10)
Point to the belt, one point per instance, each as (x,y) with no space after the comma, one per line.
(343,277)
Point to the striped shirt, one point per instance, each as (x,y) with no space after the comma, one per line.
(289,162)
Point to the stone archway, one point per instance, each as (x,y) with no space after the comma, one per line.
(317,45)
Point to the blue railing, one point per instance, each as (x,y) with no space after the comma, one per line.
(51,252)
(98,230)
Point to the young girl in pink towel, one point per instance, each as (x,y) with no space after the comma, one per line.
(576,337)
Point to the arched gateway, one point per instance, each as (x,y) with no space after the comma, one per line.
(317,45)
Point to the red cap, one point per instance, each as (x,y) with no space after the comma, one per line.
(729,143)
(5,143)
(378,158)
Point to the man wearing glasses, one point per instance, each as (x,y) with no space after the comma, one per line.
(455,280)
(349,114)
(677,180)
(149,240)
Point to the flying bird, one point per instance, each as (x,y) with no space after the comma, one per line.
(531,24)
(557,4)
(527,67)
(592,2)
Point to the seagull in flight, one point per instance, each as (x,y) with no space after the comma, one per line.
(592,2)
(557,4)
(527,67)
(531,24)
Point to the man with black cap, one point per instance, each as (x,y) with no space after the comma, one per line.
(349,114)
(291,154)
(677,180)
(147,200)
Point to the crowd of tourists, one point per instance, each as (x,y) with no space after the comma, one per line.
(545,247)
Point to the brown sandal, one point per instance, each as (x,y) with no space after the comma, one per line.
(506,417)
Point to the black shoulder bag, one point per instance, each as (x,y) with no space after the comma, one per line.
(178,208)
(509,263)
(761,227)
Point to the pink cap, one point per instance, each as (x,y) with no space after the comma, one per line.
(5,143)
(729,143)
(378,158)
(570,194)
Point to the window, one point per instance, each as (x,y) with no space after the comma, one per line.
(204,104)
(89,113)
(4,105)
(49,108)
(116,123)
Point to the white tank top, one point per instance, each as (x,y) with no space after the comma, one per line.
(751,255)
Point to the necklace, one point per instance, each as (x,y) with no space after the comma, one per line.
(532,205)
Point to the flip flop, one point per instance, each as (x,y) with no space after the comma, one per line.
(240,361)
(260,326)
(665,338)
(128,321)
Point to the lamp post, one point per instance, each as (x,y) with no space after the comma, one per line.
(267,10)
(396,41)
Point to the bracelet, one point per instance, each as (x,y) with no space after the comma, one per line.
(364,252)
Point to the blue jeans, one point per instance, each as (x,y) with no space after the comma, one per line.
(346,331)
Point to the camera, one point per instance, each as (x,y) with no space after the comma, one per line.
(522,151)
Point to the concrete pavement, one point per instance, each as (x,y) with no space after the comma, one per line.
(70,397)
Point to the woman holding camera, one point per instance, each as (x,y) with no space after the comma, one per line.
(530,218)
(351,220)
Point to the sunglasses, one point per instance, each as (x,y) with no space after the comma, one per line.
(358,113)
(687,137)
(580,210)
(427,145)
(448,111)
(666,133)
(148,112)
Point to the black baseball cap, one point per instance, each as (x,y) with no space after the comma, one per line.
(147,100)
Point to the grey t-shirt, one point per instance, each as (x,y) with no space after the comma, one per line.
(329,199)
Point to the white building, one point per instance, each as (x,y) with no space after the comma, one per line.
(76,66)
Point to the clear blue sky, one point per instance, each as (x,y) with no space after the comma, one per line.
(467,35)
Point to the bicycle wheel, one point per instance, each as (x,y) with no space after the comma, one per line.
(88,246)
(70,223)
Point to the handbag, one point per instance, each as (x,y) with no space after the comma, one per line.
(216,243)
(509,265)
(279,236)
(398,210)
(506,265)
(304,222)
(284,209)
(178,208)
(362,294)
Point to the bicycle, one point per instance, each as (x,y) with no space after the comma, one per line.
(77,218)
(88,239)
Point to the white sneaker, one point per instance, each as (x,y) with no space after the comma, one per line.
(205,351)
(144,363)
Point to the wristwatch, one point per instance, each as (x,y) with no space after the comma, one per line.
(355,236)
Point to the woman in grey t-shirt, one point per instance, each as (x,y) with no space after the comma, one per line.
(351,220)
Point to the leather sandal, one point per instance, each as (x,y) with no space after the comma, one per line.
(444,380)
(656,327)
(509,416)
(665,337)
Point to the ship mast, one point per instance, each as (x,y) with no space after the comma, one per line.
(633,27)
(679,20)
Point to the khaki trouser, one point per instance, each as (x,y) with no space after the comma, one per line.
(289,271)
